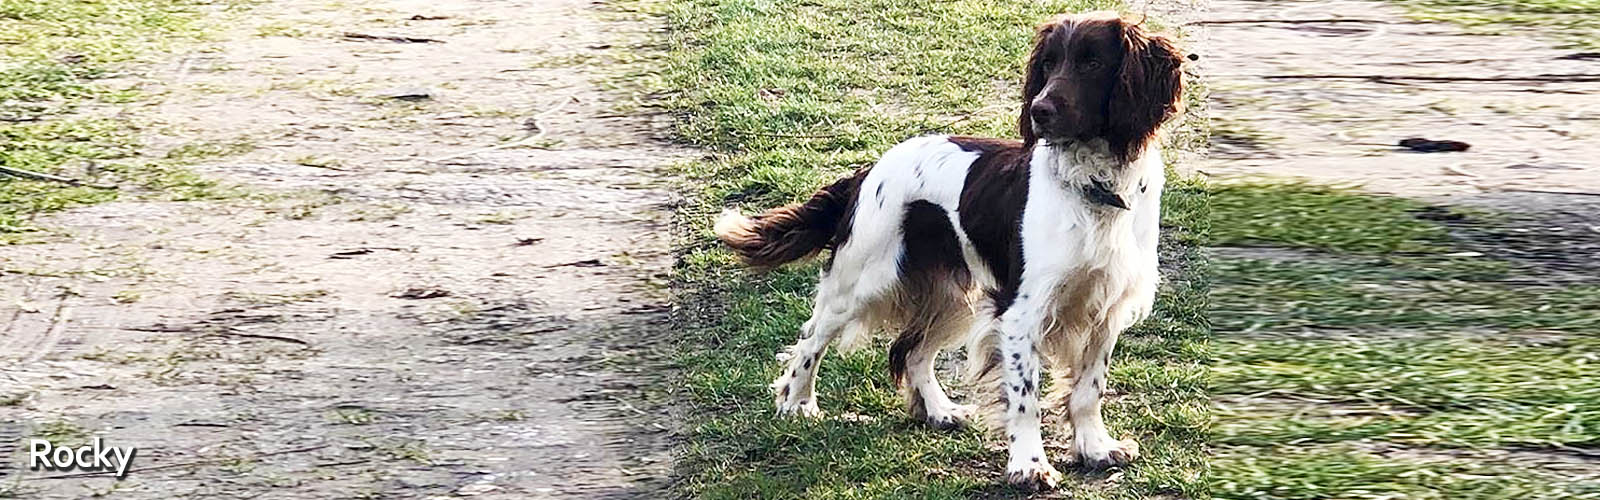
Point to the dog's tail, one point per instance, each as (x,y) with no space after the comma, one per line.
(794,231)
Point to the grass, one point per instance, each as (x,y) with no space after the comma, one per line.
(1315,473)
(1299,215)
(1445,296)
(1381,339)
(1577,22)
(790,95)
(53,53)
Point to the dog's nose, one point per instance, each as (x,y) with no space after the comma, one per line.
(1042,111)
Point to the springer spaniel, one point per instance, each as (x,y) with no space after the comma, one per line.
(1038,253)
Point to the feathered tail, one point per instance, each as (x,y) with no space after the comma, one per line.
(794,231)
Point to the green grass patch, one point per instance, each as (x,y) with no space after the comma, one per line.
(1381,332)
(1317,473)
(1300,215)
(54,49)
(53,53)
(1448,391)
(1432,295)
(791,95)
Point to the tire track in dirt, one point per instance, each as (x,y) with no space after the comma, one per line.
(487,325)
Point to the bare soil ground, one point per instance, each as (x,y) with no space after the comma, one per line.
(1269,120)
(365,322)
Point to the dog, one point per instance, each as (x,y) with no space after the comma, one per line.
(1038,253)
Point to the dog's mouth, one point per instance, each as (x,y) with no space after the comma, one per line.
(1059,135)
(1058,138)
(1048,135)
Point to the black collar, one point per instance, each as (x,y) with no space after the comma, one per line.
(1098,192)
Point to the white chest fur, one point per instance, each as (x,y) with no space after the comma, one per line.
(1099,262)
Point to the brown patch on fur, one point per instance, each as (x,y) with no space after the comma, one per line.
(794,231)
(933,282)
(1149,92)
(908,339)
(984,144)
(992,199)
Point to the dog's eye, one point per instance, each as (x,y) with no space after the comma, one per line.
(1048,64)
(1092,65)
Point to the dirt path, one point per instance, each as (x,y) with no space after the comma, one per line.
(478,325)
(1524,135)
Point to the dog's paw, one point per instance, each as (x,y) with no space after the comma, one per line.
(1108,453)
(805,408)
(792,396)
(1034,473)
(950,417)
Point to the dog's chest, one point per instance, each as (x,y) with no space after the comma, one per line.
(1098,260)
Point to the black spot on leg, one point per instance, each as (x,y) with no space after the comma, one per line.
(1012,437)
(806,365)
(1016,356)
(1027,386)
(878,193)
(784,394)
(1036,459)
(1022,408)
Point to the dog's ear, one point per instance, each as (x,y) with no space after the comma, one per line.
(1033,79)
(1149,90)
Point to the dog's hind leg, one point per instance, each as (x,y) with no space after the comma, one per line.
(933,310)
(795,389)
(844,296)
(860,274)
(916,352)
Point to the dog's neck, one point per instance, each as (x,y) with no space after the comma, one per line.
(1090,168)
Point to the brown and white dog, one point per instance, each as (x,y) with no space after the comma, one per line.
(1038,253)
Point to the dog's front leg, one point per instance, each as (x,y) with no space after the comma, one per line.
(1021,328)
(1090,440)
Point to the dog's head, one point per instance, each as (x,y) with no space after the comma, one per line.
(1100,76)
